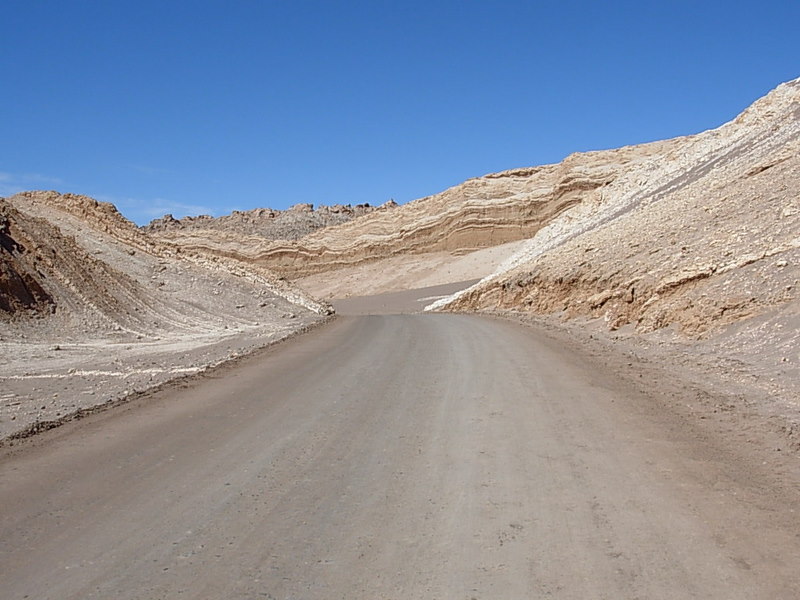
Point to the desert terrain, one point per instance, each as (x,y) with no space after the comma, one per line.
(683,252)
(570,380)
(405,456)
(94,311)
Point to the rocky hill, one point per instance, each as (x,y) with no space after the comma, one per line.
(701,234)
(84,264)
(291,224)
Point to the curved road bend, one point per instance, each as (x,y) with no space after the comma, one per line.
(392,456)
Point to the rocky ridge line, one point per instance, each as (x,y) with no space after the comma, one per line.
(290,224)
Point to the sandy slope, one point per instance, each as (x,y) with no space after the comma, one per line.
(702,234)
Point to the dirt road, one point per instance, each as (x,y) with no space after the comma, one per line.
(396,456)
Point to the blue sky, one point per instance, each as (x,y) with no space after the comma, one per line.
(206,107)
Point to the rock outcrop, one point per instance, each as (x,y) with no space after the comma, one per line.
(44,271)
(20,289)
(79,266)
(479,213)
(487,212)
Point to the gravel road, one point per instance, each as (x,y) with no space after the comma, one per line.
(396,456)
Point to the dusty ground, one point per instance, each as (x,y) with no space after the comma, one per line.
(461,457)
(43,384)
(717,374)
(756,399)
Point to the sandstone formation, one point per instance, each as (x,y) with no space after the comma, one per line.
(701,233)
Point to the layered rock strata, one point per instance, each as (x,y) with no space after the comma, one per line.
(478,213)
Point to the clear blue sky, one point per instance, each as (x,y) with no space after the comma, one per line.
(204,106)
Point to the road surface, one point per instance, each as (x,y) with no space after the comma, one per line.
(394,456)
